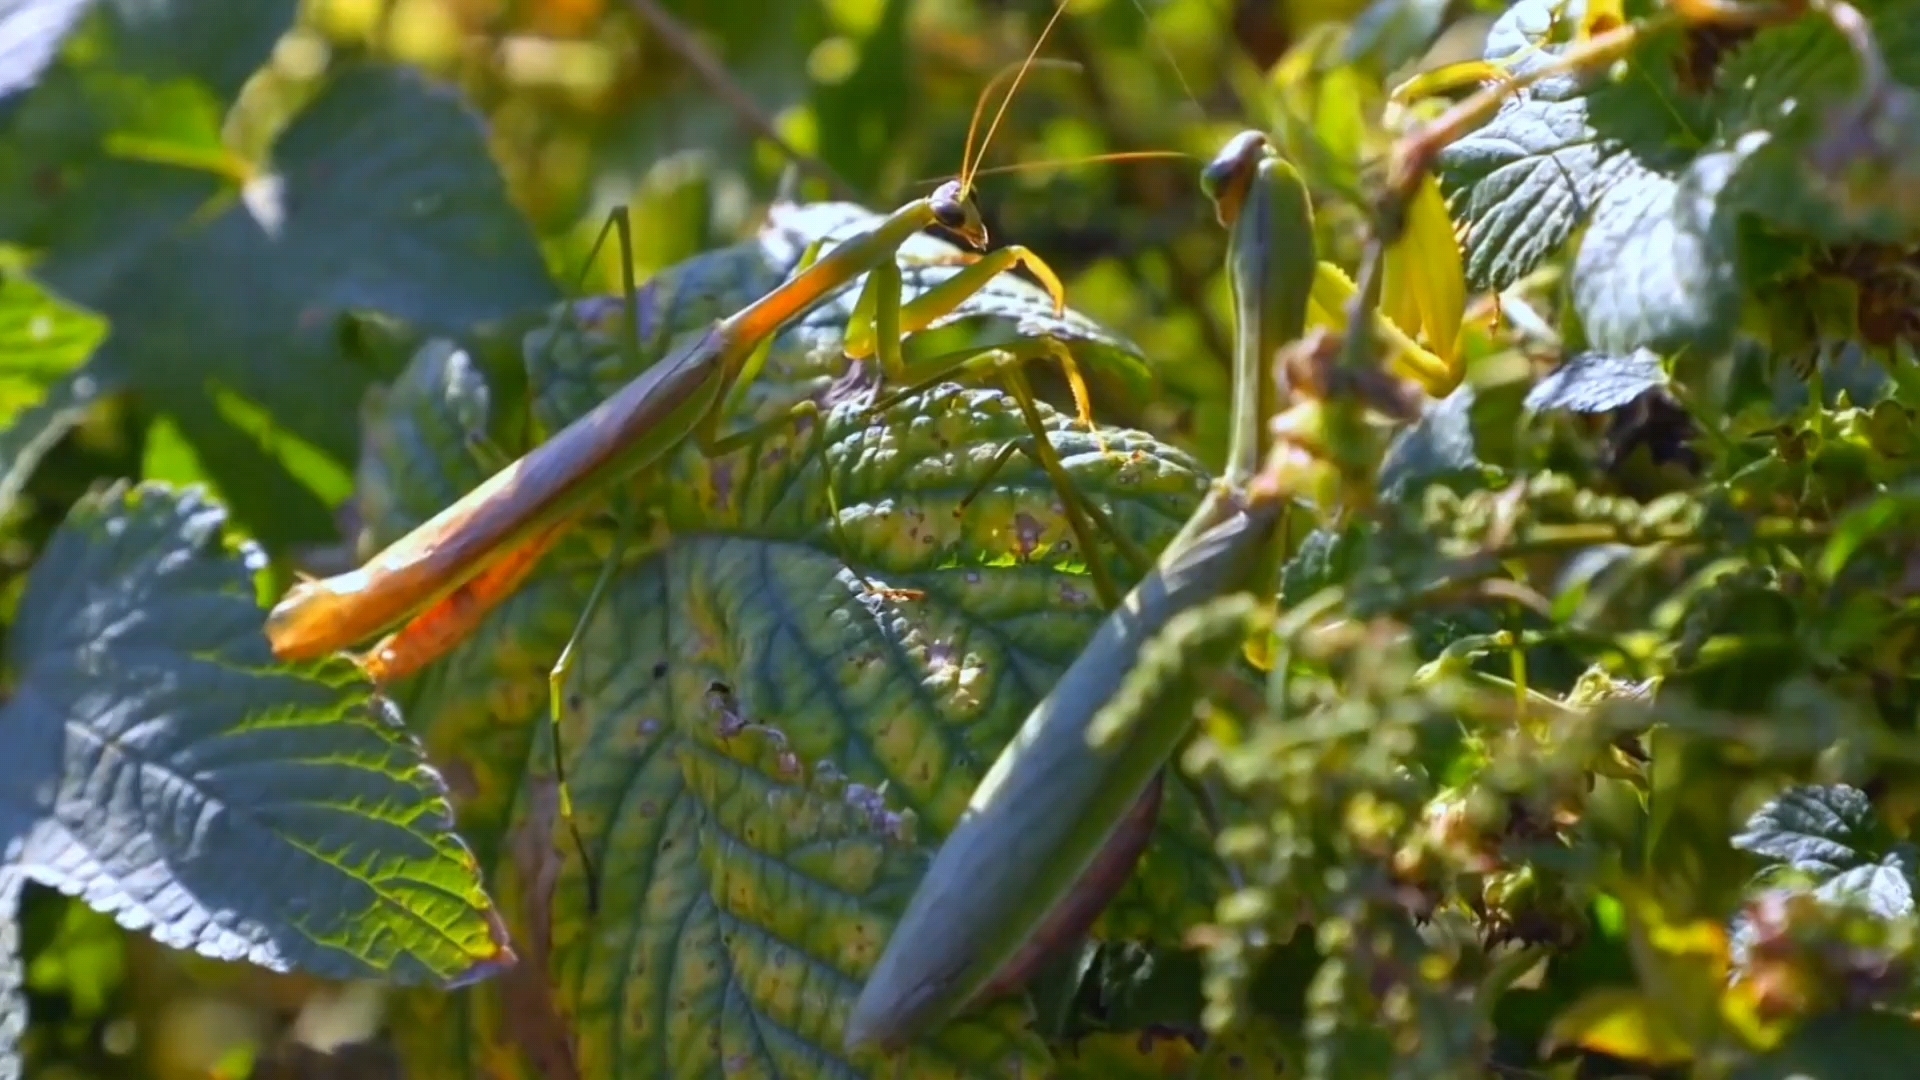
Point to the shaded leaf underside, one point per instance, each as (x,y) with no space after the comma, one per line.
(221,278)
(162,767)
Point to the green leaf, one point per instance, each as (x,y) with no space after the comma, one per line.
(1597,382)
(43,342)
(1524,182)
(1657,265)
(383,198)
(1840,1046)
(1437,446)
(209,42)
(436,420)
(1390,34)
(1863,523)
(39,429)
(1822,830)
(737,666)
(167,771)
(1326,558)
(1789,88)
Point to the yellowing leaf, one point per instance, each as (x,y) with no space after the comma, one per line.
(1447,79)
(1425,289)
(1332,292)
(1621,1023)
(1602,16)
(1255,1053)
(1702,940)
(1293,77)
(1339,119)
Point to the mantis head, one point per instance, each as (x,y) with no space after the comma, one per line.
(954,210)
(1225,178)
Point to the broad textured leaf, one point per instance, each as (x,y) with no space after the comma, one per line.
(382,197)
(214,42)
(1657,267)
(444,385)
(40,428)
(1324,559)
(1822,830)
(1597,382)
(42,394)
(1791,83)
(737,669)
(1522,184)
(1884,888)
(166,771)
(1436,446)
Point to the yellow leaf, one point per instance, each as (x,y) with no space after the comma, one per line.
(1447,79)
(1619,1022)
(1602,16)
(1339,119)
(1253,1052)
(1425,288)
(1333,290)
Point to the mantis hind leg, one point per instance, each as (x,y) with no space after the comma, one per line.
(1077,506)
(557,699)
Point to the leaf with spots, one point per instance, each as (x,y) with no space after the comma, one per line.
(762,752)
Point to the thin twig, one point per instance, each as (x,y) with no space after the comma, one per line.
(688,46)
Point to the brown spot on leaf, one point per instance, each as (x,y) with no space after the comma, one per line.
(1027,532)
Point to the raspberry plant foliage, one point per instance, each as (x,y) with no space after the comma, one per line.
(1575,733)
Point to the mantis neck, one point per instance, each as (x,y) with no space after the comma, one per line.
(767,315)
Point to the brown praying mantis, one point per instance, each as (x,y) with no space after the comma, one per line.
(438,581)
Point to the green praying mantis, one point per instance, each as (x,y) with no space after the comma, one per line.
(1010,881)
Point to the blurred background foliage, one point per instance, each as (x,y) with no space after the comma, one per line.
(588,105)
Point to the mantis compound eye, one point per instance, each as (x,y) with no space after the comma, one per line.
(949,208)
(1225,178)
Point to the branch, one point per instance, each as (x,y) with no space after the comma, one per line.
(688,46)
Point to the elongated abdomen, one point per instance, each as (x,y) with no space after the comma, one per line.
(630,430)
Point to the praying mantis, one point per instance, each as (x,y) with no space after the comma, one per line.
(439,580)
(1009,881)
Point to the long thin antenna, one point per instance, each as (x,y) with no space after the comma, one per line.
(1167,55)
(1062,163)
(966,180)
(986,93)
